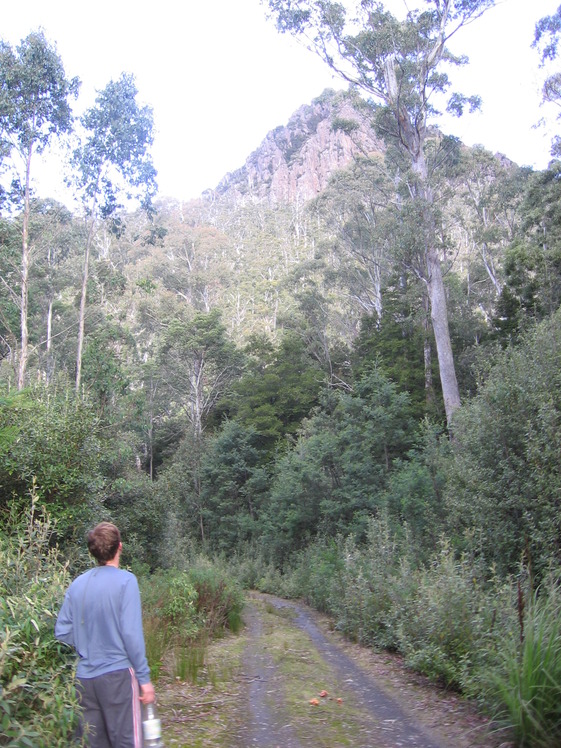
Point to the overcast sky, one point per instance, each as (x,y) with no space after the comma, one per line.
(219,76)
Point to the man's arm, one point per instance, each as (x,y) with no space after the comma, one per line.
(132,632)
(64,629)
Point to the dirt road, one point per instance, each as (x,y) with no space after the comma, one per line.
(290,682)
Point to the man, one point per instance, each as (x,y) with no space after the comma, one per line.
(101,618)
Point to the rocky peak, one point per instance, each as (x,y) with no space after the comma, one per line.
(294,162)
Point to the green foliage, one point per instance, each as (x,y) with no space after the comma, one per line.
(183,609)
(199,363)
(503,478)
(546,40)
(233,486)
(448,620)
(373,587)
(170,617)
(137,507)
(337,473)
(449,626)
(415,492)
(525,691)
(38,707)
(118,137)
(35,94)
(396,343)
(277,391)
(102,371)
(316,573)
(532,262)
(10,251)
(219,599)
(51,444)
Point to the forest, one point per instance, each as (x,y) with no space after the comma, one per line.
(354,399)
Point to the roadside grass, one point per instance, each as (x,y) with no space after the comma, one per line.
(203,709)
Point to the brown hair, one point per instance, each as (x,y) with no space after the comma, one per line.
(103,542)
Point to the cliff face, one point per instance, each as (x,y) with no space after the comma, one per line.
(294,162)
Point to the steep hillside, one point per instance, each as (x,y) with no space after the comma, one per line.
(295,161)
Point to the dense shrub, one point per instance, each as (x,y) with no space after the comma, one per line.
(314,572)
(219,599)
(454,620)
(253,572)
(504,479)
(37,701)
(374,587)
(182,609)
(525,687)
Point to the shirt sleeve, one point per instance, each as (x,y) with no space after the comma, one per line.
(64,628)
(132,632)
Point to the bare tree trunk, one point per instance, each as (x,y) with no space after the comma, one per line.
(439,318)
(25,263)
(436,291)
(83,299)
(427,352)
(49,364)
(151,431)
(196,404)
(413,135)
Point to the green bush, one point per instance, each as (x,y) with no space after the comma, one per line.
(373,587)
(317,574)
(182,609)
(525,689)
(170,616)
(219,598)
(454,620)
(252,572)
(38,706)
(50,444)
(503,477)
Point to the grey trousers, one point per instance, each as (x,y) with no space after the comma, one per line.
(111,710)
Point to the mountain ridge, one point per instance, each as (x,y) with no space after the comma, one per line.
(294,162)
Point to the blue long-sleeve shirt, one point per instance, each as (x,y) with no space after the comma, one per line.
(101,617)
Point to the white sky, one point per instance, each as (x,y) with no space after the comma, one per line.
(219,77)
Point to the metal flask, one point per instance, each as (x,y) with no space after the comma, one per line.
(152,727)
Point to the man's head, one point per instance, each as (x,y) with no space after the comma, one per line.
(103,542)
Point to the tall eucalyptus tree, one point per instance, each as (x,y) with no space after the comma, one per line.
(34,109)
(112,162)
(400,63)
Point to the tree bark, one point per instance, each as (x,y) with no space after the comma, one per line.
(25,263)
(427,353)
(439,319)
(83,299)
(435,288)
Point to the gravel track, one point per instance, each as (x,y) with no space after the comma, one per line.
(380,718)
(262,689)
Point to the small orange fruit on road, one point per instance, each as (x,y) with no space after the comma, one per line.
(314,702)
(323,694)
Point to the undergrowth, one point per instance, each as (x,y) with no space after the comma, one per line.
(183,610)
(38,707)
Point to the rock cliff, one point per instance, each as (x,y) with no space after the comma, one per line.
(294,162)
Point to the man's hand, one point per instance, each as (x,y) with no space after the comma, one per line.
(147,693)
